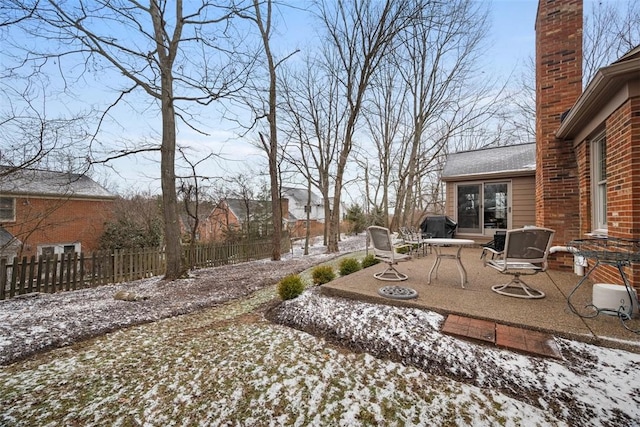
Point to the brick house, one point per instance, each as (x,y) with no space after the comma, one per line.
(231,216)
(299,203)
(48,212)
(587,143)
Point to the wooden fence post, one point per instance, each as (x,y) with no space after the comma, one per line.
(14,277)
(23,273)
(74,279)
(32,266)
(3,278)
(39,273)
(81,280)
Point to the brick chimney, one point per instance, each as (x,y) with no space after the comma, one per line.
(558,86)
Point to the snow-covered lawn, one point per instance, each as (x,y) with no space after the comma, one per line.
(364,364)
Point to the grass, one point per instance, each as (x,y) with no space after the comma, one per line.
(228,365)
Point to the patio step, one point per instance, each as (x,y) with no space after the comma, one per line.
(509,337)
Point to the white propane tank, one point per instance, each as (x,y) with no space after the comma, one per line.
(608,298)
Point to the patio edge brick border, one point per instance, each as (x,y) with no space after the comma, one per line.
(503,336)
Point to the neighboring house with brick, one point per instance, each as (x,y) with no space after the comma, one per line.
(51,212)
(233,217)
(302,202)
(587,142)
(491,189)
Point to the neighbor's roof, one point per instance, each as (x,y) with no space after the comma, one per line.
(495,161)
(7,239)
(239,207)
(36,182)
(300,195)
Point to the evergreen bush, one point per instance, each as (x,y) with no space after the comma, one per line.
(322,274)
(290,287)
(369,260)
(348,266)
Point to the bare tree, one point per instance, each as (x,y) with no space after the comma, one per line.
(264,104)
(192,190)
(30,138)
(312,119)
(166,51)
(424,96)
(610,30)
(386,116)
(135,222)
(358,36)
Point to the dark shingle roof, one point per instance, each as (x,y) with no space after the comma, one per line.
(256,208)
(300,195)
(6,238)
(491,161)
(37,182)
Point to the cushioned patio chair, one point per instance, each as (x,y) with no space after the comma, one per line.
(525,253)
(385,251)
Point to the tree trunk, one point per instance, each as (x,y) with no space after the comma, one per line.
(175,264)
(334,221)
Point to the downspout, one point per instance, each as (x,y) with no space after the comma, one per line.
(579,262)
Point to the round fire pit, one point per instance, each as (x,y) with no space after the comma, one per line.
(398,292)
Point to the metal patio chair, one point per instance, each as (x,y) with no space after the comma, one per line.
(496,246)
(525,253)
(385,251)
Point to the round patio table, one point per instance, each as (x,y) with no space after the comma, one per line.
(438,244)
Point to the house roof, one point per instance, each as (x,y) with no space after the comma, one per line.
(300,196)
(7,239)
(239,207)
(36,182)
(494,161)
(600,94)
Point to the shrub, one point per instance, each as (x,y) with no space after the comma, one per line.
(290,287)
(403,249)
(322,274)
(369,260)
(348,266)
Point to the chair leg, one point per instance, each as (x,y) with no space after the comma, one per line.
(519,289)
(390,274)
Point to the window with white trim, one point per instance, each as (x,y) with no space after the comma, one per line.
(7,209)
(59,248)
(599,183)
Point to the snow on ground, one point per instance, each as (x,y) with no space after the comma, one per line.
(591,386)
(34,322)
(230,365)
(200,370)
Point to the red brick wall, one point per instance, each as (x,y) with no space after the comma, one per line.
(42,221)
(214,228)
(558,86)
(623,174)
(623,181)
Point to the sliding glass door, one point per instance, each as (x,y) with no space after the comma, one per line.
(483,207)
(469,208)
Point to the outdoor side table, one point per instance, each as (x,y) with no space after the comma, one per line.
(437,244)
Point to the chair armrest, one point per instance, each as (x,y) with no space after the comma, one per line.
(483,256)
(493,251)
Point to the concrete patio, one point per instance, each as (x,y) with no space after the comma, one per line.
(445,295)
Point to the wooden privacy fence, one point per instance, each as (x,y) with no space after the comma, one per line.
(71,271)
